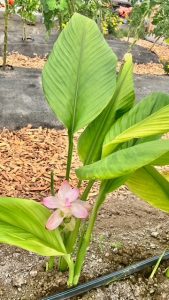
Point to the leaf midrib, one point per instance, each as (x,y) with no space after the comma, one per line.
(77,81)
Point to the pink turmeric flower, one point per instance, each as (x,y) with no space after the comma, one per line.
(67,204)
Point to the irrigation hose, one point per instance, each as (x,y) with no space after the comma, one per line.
(106,279)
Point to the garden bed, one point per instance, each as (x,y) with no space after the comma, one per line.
(22,101)
(127,230)
(42,43)
(33,53)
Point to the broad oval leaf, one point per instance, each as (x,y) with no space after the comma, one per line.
(22,224)
(91,140)
(79,77)
(124,161)
(148,118)
(150,185)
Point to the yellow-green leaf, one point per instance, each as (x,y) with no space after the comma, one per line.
(22,224)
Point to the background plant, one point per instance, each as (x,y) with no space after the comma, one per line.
(100,11)
(166,67)
(121,143)
(56,11)
(27,9)
(150,16)
(161,20)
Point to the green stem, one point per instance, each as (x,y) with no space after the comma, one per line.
(156,40)
(105,187)
(70,153)
(87,237)
(5,35)
(136,34)
(87,190)
(71,7)
(79,184)
(60,18)
(50,264)
(63,266)
(52,184)
(70,263)
(24,37)
(62,262)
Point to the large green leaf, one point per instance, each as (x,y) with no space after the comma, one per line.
(151,186)
(166,175)
(124,161)
(162,161)
(148,118)
(91,140)
(80,75)
(22,224)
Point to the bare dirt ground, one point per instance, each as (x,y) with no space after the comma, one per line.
(127,230)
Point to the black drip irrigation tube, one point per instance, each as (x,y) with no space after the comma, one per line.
(106,279)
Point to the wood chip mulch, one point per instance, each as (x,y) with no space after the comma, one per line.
(19,60)
(162,51)
(28,156)
(149,69)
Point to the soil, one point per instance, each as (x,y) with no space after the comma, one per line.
(127,230)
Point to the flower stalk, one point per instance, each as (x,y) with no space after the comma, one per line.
(87,237)
(70,154)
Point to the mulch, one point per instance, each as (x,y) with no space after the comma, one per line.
(27,157)
(20,60)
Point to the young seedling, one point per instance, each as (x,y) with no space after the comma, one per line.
(117,245)
(155,269)
(167,273)
(102,240)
